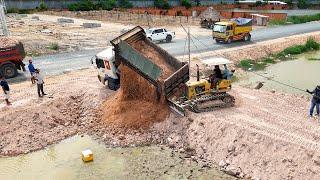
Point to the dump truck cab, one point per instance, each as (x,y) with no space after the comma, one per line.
(108,72)
(233,30)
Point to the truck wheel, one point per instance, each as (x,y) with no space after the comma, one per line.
(9,70)
(247,37)
(168,38)
(217,41)
(229,41)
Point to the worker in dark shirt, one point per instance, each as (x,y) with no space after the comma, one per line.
(6,90)
(315,102)
(32,70)
(216,76)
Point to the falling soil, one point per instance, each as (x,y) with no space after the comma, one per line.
(137,104)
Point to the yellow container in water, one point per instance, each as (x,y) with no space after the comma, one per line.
(87,155)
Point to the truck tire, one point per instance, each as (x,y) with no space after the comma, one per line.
(9,70)
(247,37)
(217,41)
(168,38)
(229,41)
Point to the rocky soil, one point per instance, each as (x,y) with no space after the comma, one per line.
(265,136)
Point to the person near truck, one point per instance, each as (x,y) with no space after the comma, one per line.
(39,79)
(32,70)
(6,89)
(315,102)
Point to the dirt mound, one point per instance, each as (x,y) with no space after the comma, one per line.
(136,104)
(6,42)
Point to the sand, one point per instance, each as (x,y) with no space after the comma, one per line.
(6,42)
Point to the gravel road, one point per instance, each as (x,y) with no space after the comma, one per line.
(60,63)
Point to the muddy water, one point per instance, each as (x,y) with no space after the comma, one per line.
(300,72)
(62,161)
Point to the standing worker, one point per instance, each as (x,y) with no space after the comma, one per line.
(39,79)
(315,102)
(6,90)
(32,70)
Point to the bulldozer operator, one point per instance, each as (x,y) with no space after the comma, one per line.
(216,76)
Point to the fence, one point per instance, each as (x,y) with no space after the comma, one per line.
(128,18)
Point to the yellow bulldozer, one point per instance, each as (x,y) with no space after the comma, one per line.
(208,93)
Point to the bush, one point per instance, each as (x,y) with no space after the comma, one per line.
(303,4)
(311,44)
(53,46)
(275,22)
(43,6)
(83,5)
(13,10)
(106,4)
(198,2)
(303,19)
(297,49)
(125,4)
(246,64)
(162,4)
(186,3)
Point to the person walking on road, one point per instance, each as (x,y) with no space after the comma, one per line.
(315,102)
(39,79)
(6,90)
(32,70)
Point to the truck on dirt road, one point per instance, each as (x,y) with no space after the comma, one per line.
(233,30)
(11,57)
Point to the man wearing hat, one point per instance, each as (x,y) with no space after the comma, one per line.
(39,79)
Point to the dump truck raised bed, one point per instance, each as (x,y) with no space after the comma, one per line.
(161,69)
(11,57)
(233,30)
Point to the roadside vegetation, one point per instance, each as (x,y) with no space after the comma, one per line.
(53,46)
(295,20)
(249,64)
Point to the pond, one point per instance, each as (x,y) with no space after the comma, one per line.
(63,161)
(301,72)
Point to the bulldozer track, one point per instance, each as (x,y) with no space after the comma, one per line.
(194,104)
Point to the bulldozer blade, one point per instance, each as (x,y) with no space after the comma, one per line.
(177,108)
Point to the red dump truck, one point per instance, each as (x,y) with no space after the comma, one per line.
(11,57)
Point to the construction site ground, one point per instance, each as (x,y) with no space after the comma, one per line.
(265,136)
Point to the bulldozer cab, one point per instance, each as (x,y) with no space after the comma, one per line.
(223,83)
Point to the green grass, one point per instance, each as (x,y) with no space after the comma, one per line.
(275,22)
(247,64)
(314,59)
(54,46)
(303,19)
(310,45)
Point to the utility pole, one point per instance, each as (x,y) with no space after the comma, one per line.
(3,21)
(189,46)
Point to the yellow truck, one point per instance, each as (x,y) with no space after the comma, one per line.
(233,30)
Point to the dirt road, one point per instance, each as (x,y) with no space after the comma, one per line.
(267,135)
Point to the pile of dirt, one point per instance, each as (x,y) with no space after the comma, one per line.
(137,104)
(6,42)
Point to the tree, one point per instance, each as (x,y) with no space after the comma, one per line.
(162,4)
(302,4)
(198,2)
(125,4)
(186,3)
(106,4)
